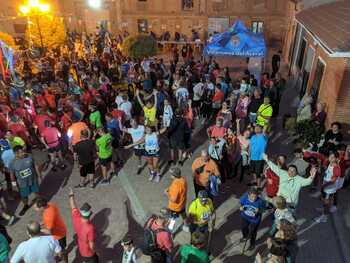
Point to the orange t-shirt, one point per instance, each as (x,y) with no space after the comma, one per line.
(52,220)
(209,168)
(177,191)
(74,131)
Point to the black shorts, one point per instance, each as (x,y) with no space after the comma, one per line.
(63,242)
(257,167)
(196,103)
(152,154)
(105,162)
(327,196)
(139,152)
(176,145)
(87,169)
(93,259)
(55,149)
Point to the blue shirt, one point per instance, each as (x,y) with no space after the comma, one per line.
(252,210)
(113,128)
(258,144)
(224,88)
(7,157)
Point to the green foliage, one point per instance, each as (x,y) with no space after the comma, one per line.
(309,132)
(139,46)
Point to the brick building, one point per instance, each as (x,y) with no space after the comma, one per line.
(182,16)
(317,48)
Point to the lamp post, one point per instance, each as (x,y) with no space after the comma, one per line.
(34,8)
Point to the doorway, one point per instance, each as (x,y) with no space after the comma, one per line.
(315,90)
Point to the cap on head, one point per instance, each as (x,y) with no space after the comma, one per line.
(176,172)
(203,194)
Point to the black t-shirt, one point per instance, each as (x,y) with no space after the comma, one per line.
(331,136)
(86,151)
(255,104)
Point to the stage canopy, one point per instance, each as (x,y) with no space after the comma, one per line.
(236,41)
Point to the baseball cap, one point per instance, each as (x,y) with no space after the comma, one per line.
(203,195)
(4,145)
(176,172)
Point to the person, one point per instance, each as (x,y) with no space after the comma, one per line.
(320,115)
(217,130)
(177,193)
(86,152)
(202,168)
(201,214)
(264,114)
(277,252)
(333,138)
(281,213)
(126,107)
(52,223)
(104,153)
(25,175)
(198,91)
(195,251)
(330,185)
(258,143)
(95,117)
(251,209)
(168,113)
(50,137)
(217,152)
(176,133)
(74,134)
(164,242)
(149,109)
(4,249)
(152,151)
(275,63)
(129,251)
(299,162)
(272,181)
(38,248)
(136,132)
(254,105)
(287,232)
(290,182)
(84,229)
(305,113)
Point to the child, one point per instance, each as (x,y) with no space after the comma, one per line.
(281,212)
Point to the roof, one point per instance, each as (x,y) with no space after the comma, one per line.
(330,23)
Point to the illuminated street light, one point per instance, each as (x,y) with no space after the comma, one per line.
(34,8)
(95,3)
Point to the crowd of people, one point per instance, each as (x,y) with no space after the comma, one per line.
(84,103)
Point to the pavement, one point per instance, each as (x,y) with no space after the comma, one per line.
(121,208)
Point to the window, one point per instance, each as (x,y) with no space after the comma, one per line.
(187,5)
(257,26)
(300,60)
(142,25)
(318,79)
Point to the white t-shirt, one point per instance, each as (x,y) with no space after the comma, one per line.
(181,94)
(136,135)
(126,107)
(198,91)
(41,249)
(118,100)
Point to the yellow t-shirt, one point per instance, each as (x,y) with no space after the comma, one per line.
(264,111)
(201,214)
(150,115)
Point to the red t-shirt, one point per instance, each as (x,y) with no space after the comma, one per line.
(219,96)
(217,132)
(19,130)
(51,136)
(66,120)
(40,100)
(85,232)
(39,121)
(164,241)
(272,183)
(118,114)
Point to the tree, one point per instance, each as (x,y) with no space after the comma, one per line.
(45,31)
(139,46)
(8,40)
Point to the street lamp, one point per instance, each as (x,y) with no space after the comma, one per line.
(34,8)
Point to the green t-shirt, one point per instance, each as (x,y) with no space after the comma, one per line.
(17,141)
(104,144)
(4,248)
(190,254)
(95,119)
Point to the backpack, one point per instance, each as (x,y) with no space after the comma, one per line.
(150,238)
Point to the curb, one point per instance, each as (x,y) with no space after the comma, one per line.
(341,236)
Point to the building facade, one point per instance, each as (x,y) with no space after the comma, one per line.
(159,16)
(317,48)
